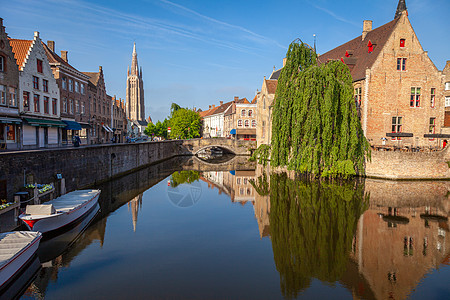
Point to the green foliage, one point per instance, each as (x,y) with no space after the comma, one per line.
(158,129)
(315,127)
(173,108)
(261,154)
(312,224)
(262,186)
(181,177)
(185,124)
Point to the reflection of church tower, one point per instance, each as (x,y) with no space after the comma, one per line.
(135,90)
(135,204)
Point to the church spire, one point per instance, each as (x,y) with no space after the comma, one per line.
(400,8)
(134,62)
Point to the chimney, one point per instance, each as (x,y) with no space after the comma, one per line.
(210,107)
(367,27)
(100,69)
(36,34)
(236,98)
(221,103)
(213,106)
(284,61)
(51,45)
(64,55)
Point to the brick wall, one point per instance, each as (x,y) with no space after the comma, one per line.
(81,166)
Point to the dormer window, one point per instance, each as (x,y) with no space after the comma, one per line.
(402,43)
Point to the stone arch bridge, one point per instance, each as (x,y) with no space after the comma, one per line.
(237,147)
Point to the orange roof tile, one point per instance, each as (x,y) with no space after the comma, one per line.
(255,99)
(20,49)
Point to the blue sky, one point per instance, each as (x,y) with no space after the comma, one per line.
(198,52)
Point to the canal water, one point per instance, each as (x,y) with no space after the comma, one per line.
(185,229)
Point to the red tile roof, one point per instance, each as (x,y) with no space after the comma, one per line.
(243,101)
(20,49)
(360,59)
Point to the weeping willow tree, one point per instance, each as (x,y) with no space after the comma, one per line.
(312,224)
(315,126)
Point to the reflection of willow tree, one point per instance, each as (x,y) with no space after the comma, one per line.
(312,225)
(184,177)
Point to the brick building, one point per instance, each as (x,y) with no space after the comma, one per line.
(40,103)
(398,90)
(74,98)
(264,108)
(119,120)
(9,86)
(446,86)
(100,107)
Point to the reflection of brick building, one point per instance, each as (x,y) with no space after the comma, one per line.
(402,236)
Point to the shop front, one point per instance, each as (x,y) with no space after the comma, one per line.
(71,129)
(9,133)
(41,133)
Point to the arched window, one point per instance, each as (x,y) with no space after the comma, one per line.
(247,123)
(250,112)
(239,123)
(243,112)
(253,123)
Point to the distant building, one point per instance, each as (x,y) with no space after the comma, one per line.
(135,90)
(101,104)
(119,120)
(265,107)
(245,119)
(213,120)
(40,105)
(10,122)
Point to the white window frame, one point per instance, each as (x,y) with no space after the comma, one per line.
(447,86)
(447,101)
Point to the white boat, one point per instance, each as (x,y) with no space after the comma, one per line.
(60,212)
(17,249)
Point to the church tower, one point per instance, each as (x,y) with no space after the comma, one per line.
(135,90)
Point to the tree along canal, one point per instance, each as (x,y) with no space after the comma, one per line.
(172,232)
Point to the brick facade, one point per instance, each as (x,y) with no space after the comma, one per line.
(9,95)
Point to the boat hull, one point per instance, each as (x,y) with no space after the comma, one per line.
(18,262)
(53,223)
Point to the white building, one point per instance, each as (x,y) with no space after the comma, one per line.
(213,120)
(39,97)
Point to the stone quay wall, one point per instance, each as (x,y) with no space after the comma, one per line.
(81,166)
(409,165)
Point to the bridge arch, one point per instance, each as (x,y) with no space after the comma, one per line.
(225,147)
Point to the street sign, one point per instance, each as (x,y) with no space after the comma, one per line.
(168,129)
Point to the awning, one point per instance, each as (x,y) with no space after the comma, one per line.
(72,125)
(233,131)
(233,172)
(107,129)
(399,134)
(10,120)
(437,136)
(45,122)
(85,125)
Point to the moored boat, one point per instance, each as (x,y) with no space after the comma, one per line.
(60,212)
(17,249)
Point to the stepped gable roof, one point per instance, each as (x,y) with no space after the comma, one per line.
(275,74)
(93,77)
(20,49)
(271,85)
(360,59)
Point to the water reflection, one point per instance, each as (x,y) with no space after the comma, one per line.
(368,239)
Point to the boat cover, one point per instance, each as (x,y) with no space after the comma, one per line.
(13,242)
(73,199)
(42,209)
